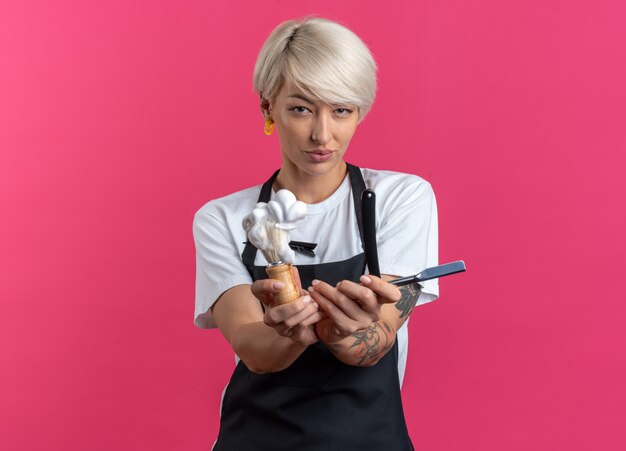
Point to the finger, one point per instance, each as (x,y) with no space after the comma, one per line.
(326,306)
(387,293)
(302,315)
(365,297)
(345,324)
(312,319)
(264,290)
(349,306)
(280,313)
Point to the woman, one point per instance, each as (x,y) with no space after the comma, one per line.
(323,372)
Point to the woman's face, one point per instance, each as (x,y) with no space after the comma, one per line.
(313,135)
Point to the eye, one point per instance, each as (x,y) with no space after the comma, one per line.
(300,110)
(343,111)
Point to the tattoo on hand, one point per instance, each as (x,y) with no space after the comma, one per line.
(408,299)
(373,341)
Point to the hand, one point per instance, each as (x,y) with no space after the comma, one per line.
(350,307)
(293,320)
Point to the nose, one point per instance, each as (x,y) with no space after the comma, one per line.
(321,133)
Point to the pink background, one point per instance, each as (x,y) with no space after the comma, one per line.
(119,119)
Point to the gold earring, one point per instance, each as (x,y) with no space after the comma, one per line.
(269,127)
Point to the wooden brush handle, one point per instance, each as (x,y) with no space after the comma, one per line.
(290,291)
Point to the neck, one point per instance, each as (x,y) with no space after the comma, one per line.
(307,187)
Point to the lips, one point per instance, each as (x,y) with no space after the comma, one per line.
(319,156)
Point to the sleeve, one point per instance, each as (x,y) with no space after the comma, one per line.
(407,234)
(218,265)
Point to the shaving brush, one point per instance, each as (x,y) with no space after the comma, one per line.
(267,227)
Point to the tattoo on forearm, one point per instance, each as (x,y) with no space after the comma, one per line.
(373,341)
(407,302)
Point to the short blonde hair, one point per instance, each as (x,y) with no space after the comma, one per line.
(323,59)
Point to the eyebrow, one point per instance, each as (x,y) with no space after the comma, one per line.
(301,97)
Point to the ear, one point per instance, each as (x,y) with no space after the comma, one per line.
(266,107)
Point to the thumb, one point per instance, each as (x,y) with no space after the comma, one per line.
(265,289)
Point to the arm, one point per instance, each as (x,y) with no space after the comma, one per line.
(267,339)
(406,235)
(362,320)
(270,340)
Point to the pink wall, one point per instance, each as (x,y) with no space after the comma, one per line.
(119,119)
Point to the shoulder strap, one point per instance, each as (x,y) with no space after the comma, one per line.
(358,186)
